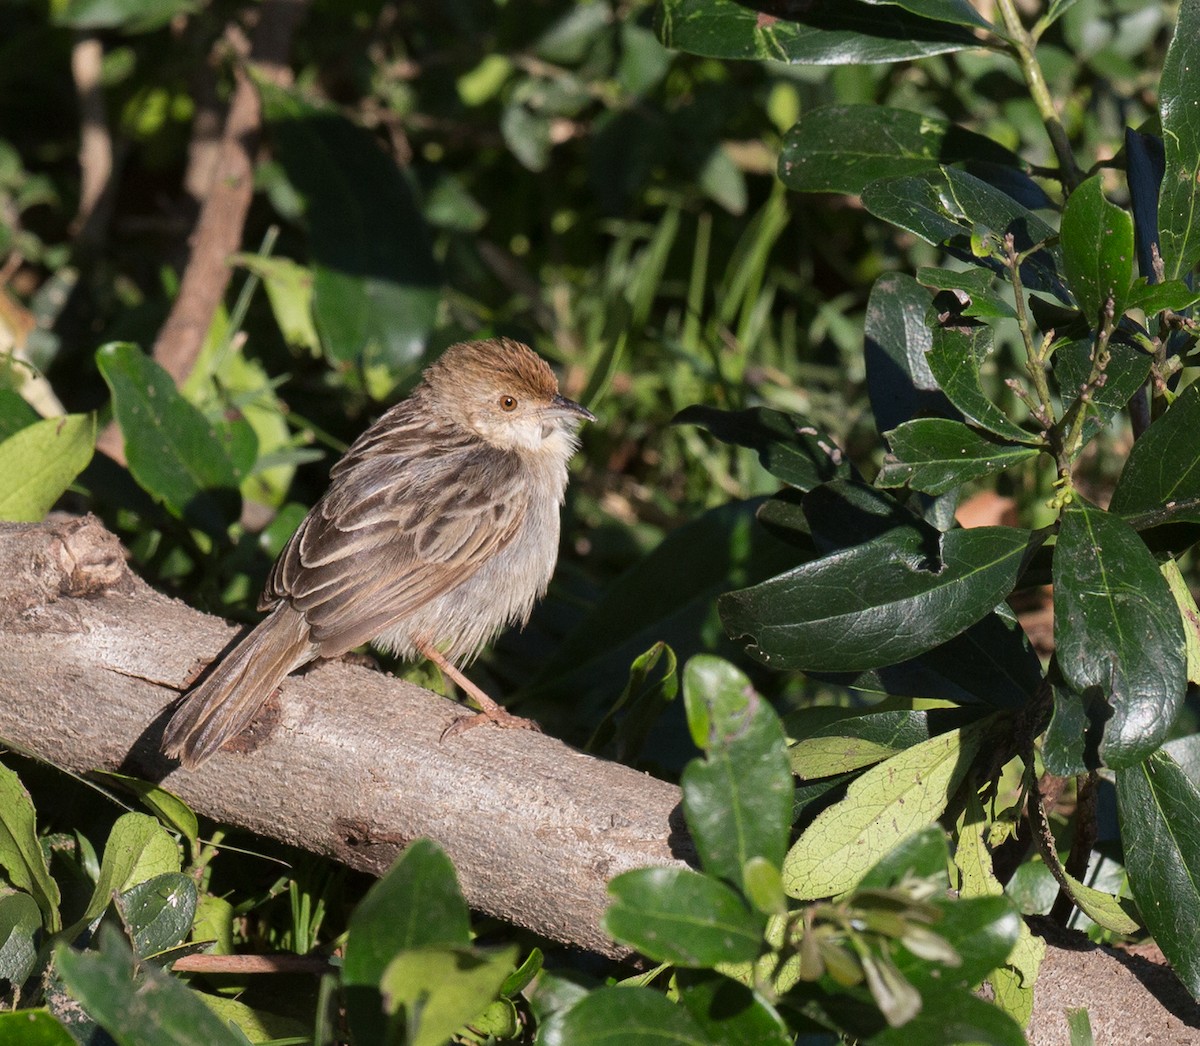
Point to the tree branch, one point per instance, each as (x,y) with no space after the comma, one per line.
(349,763)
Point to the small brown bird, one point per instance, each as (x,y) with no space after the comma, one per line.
(439,528)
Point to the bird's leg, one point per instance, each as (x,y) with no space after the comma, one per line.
(489,710)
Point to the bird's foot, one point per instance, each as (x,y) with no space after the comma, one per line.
(496,716)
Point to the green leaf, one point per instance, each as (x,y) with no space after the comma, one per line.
(1097,246)
(731,1014)
(154,1009)
(376,286)
(130,16)
(973,289)
(1179,99)
(922,855)
(174,452)
(40,461)
(957,12)
(896,340)
(1117,629)
(290,292)
(622,1016)
(1153,298)
(433,992)
(625,726)
(15,414)
(950,1018)
(955,209)
(1162,472)
(883,806)
(957,353)
(172,811)
(20,923)
(936,455)
(1125,374)
(138,849)
(981,930)
(1112,913)
(1189,613)
(32,1028)
(417,904)
(738,798)
(21,854)
(843,148)
(876,603)
(844,34)
(788,446)
(158,913)
(1159,809)
(682,917)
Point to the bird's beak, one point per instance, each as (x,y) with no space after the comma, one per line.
(570,409)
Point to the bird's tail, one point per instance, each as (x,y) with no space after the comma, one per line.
(224,704)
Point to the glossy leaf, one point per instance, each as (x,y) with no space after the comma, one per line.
(897,338)
(843,34)
(956,354)
(20,924)
(982,930)
(172,811)
(972,287)
(158,913)
(1153,298)
(1116,629)
(738,798)
(1162,472)
(1159,808)
(626,1015)
(949,1018)
(843,148)
(731,1014)
(138,849)
(40,461)
(1124,376)
(1179,99)
(433,992)
(788,447)
(936,455)
(153,1010)
(417,904)
(174,452)
(952,208)
(21,854)
(32,1028)
(682,917)
(877,603)
(883,806)
(1097,246)
(376,285)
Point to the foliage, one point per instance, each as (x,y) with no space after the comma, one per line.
(881,255)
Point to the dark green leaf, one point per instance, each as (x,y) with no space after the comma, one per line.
(950,1018)
(956,209)
(417,904)
(957,12)
(20,923)
(32,1028)
(625,727)
(982,930)
(958,350)
(973,289)
(923,855)
(15,413)
(731,1014)
(172,811)
(153,1010)
(1162,472)
(626,1016)
(1179,99)
(21,854)
(936,455)
(158,913)
(842,148)
(1159,808)
(1153,298)
(788,447)
(877,603)
(1126,372)
(138,848)
(1097,246)
(896,339)
(1117,630)
(174,452)
(679,916)
(1072,742)
(738,797)
(992,661)
(847,33)
(376,285)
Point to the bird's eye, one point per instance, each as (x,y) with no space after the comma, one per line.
(508,403)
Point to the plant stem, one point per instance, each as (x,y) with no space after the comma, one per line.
(1025,47)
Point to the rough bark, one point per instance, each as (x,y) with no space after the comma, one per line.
(349,761)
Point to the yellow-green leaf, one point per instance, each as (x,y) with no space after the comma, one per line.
(40,461)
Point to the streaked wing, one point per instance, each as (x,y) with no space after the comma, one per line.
(395,531)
